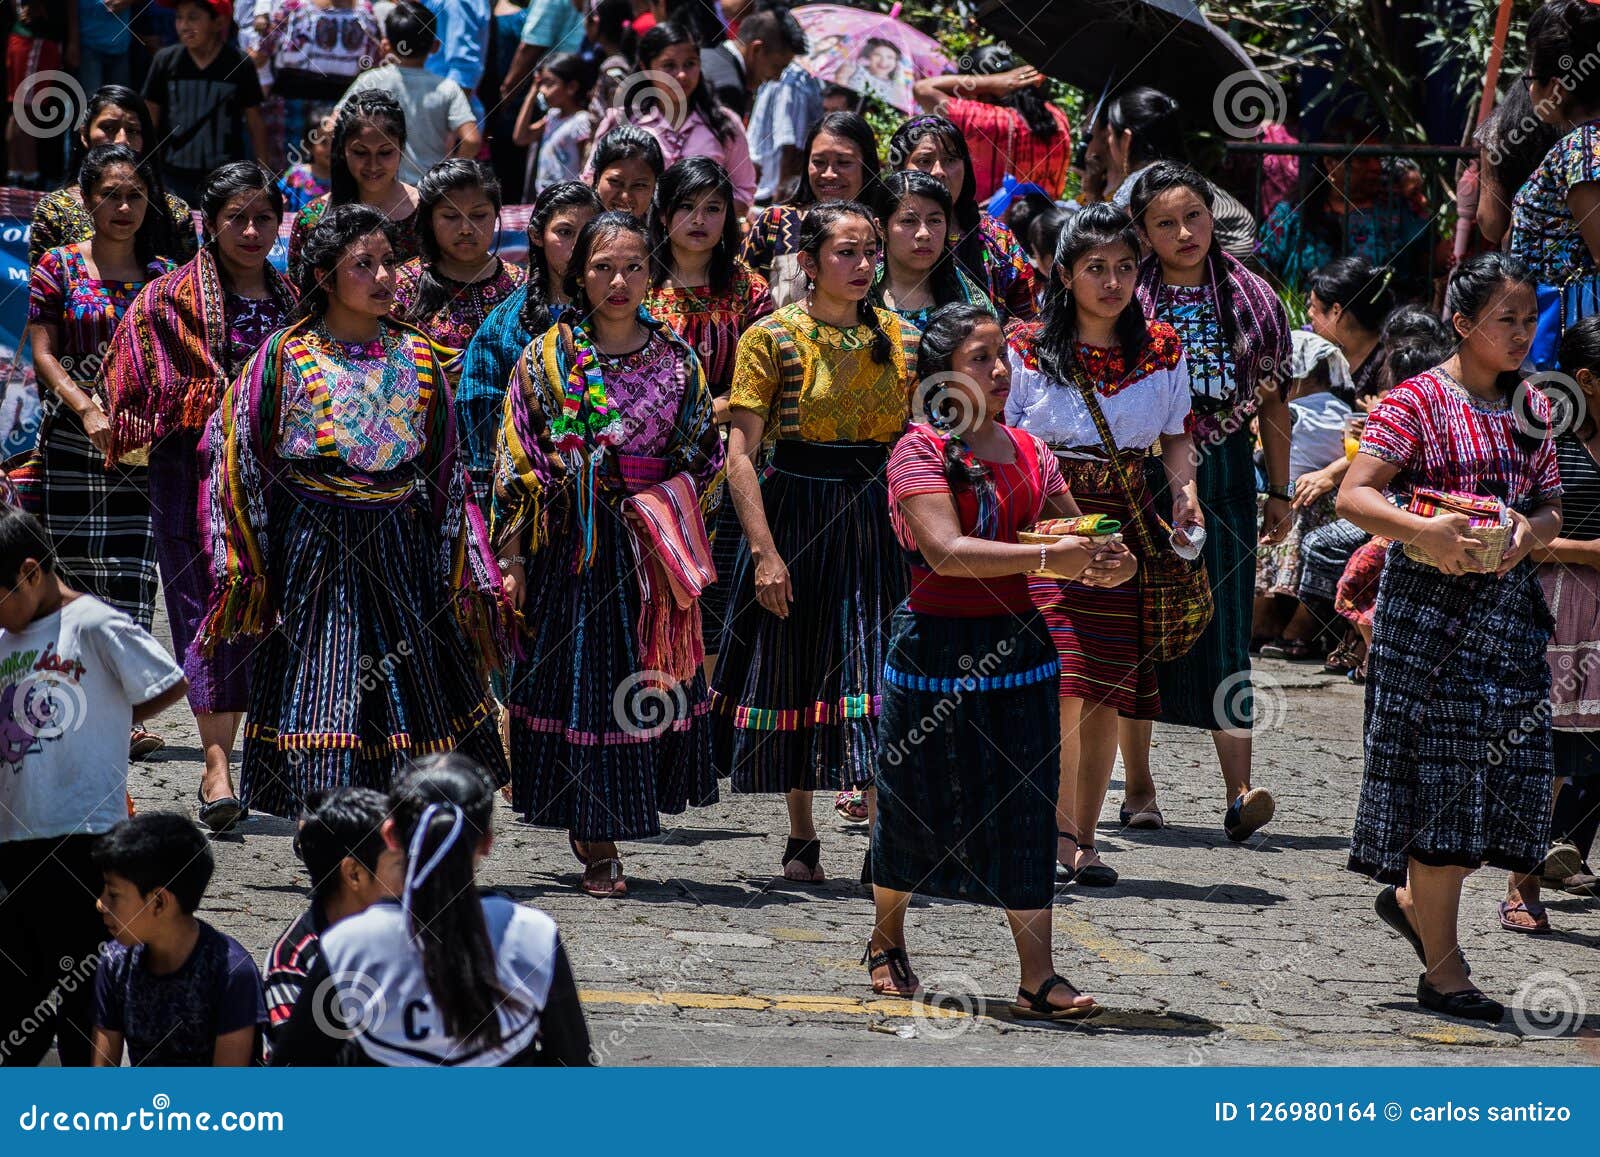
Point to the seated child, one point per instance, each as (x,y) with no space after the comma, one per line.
(171,988)
(74,676)
(341,844)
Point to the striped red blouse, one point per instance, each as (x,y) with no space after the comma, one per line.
(1022,485)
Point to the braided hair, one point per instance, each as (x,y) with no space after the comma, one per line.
(448,176)
(536,317)
(1057,345)
(968,214)
(943,279)
(815,230)
(946,330)
(340,227)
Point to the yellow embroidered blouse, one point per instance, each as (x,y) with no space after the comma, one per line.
(818,383)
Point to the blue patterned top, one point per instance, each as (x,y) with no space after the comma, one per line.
(1543,230)
(1192,311)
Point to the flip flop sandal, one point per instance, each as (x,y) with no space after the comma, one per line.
(1148,819)
(142,743)
(615,885)
(220,815)
(1541,918)
(1561,861)
(1037,1006)
(572,842)
(902,981)
(806,853)
(1387,906)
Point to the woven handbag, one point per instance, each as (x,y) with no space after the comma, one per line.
(1175,599)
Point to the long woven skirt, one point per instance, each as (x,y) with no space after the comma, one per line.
(98,519)
(797,699)
(1096,630)
(1458,765)
(726,537)
(1210,686)
(219,681)
(368,666)
(968,761)
(598,746)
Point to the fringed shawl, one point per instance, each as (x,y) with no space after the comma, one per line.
(166,370)
(534,488)
(675,566)
(245,469)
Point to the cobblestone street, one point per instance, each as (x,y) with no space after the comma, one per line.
(1205,953)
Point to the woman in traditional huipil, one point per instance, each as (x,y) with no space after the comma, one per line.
(341,528)
(559,215)
(966,773)
(1236,343)
(986,249)
(841,154)
(1458,752)
(920,272)
(369,136)
(186,337)
(703,291)
(1094,336)
(799,675)
(449,291)
(607,449)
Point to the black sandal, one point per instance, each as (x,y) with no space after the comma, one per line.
(902,981)
(1387,906)
(1468,1004)
(1065,873)
(220,815)
(1037,1006)
(807,852)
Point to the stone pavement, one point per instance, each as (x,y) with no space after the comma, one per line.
(1206,953)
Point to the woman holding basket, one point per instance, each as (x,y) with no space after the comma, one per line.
(1458,761)
(1101,385)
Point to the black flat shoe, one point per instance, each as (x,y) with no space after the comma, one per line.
(220,815)
(1468,1004)
(1096,875)
(1064,872)
(1248,814)
(1387,906)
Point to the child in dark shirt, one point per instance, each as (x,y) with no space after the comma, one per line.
(171,988)
(340,840)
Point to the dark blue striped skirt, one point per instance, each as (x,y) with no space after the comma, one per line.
(969,760)
(367,667)
(598,746)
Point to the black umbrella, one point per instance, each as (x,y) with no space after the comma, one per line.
(1103,45)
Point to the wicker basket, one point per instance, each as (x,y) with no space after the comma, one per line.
(1029,538)
(1487,557)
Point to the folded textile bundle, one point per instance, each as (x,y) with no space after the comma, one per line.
(1487,521)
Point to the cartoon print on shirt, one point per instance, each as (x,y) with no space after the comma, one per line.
(41,705)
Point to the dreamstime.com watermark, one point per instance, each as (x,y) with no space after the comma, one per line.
(160,1117)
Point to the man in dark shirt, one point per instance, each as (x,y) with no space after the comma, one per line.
(199,91)
(768,40)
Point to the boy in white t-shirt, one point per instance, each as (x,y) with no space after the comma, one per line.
(74,676)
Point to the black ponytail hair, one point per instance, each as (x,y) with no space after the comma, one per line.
(571,68)
(1152,117)
(946,330)
(1363,289)
(702,100)
(234,180)
(368,108)
(943,279)
(1057,345)
(155,236)
(684,183)
(1514,140)
(448,176)
(442,807)
(124,98)
(1472,290)
(1158,179)
(1030,102)
(340,227)
(815,229)
(602,227)
(968,214)
(852,127)
(536,316)
(1413,339)
(628,142)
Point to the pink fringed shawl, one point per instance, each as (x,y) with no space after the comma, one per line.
(669,538)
